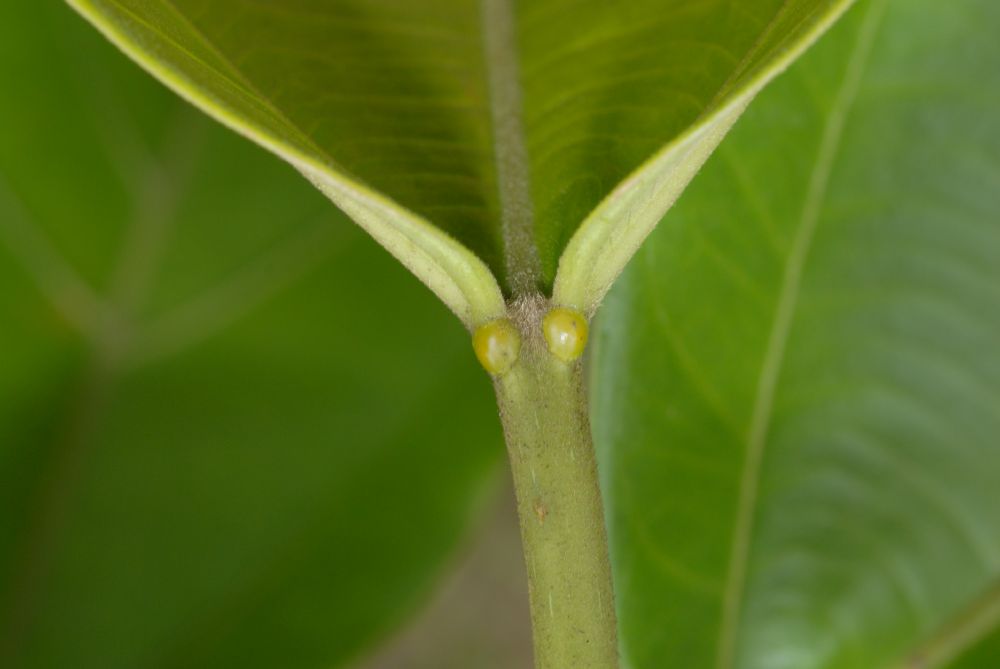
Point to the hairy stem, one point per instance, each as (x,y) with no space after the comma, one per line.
(544,412)
(517,211)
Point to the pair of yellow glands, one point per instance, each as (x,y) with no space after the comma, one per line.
(498,343)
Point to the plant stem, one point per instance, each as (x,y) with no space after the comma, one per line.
(543,407)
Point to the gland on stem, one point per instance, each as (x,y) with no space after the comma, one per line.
(497,345)
(565,333)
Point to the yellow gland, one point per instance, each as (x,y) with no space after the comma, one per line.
(497,345)
(565,332)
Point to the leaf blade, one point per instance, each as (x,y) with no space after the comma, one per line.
(612,233)
(872,525)
(209,80)
(655,76)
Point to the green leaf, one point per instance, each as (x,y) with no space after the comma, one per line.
(968,640)
(798,392)
(484,139)
(233,432)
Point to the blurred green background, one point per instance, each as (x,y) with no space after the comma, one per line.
(233,430)
(235,433)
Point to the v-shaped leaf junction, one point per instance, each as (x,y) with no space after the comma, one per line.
(496,150)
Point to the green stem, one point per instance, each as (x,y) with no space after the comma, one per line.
(543,407)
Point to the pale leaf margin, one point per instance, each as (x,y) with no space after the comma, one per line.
(456,275)
(598,251)
(611,234)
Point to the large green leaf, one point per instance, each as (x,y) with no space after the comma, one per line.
(476,139)
(233,432)
(798,379)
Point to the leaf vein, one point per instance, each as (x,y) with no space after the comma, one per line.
(788,298)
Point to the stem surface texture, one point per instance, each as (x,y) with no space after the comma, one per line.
(543,406)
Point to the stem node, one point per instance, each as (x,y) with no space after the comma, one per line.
(543,407)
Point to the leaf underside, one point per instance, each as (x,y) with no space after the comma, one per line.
(474,141)
(798,392)
(210,442)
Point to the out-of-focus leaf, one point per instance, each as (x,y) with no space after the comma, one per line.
(798,381)
(233,432)
(968,650)
(496,127)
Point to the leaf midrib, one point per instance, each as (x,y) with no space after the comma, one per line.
(777,345)
(521,259)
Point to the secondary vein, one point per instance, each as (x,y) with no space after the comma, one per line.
(973,623)
(61,285)
(781,326)
(521,260)
(218,307)
(108,337)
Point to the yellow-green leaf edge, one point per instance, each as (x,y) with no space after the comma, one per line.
(611,234)
(597,252)
(456,275)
